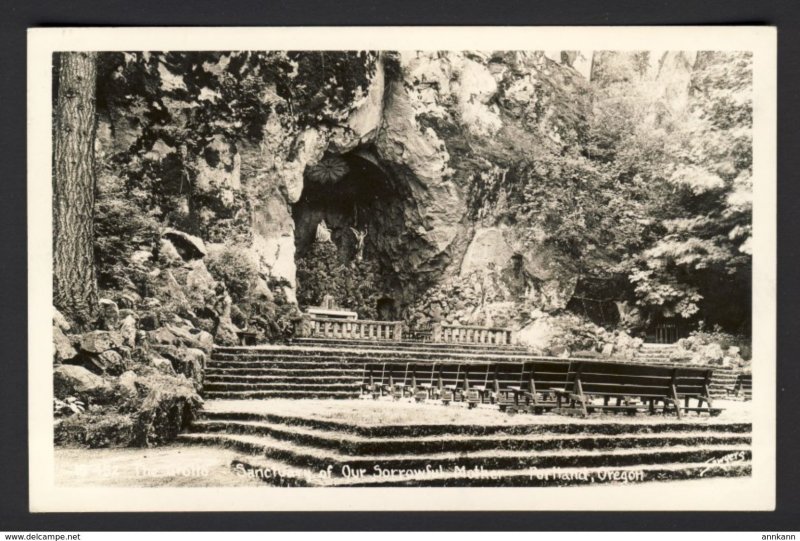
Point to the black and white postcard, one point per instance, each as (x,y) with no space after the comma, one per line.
(402,268)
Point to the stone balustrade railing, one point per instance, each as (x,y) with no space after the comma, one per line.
(472,334)
(356,329)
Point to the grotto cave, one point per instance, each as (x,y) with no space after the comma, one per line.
(360,207)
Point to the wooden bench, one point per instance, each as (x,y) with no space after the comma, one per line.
(480,383)
(425,381)
(450,382)
(744,386)
(530,386)
(634,388)
(390,378)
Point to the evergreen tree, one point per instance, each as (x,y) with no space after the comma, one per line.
(74,284)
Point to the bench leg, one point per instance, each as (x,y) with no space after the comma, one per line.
(677,402)
(582,397)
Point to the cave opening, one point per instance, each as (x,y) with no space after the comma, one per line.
(347,214)
(386,308)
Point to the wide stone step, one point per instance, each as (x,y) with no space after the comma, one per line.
(277,473)
(521,427)
(285,365)
(294,394)
(284,354)
(359,445)
(418,346)
(548,477)
(286,372)
(273,378)
(355,353)
(313,387)
(494,459)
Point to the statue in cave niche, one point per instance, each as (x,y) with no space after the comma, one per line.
(323,233)
(328,302)
(360,236)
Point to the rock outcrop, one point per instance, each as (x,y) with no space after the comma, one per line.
(430,148)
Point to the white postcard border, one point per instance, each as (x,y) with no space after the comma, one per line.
(753,493)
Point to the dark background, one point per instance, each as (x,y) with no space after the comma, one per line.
(17,15)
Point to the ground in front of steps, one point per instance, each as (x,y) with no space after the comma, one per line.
(172,465)
(368,412)
(212,466)
(197,466)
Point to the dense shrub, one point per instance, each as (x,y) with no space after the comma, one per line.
(95,429)
(725,340)
(353,286)
(167,405)
(150,408)
(121,228)
(235,268)
(320,272)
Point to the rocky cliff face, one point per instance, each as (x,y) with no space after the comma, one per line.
(424,158)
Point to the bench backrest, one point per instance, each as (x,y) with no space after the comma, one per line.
(619,379)
(386,373)
(744,384)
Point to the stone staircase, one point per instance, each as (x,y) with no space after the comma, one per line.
(722,382)
(330,368)
(294,449)
(325,368)
(655,353)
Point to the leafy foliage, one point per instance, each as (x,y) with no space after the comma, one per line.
(121,228)
(69,406)
(353,286)
(236,269)
(685,176)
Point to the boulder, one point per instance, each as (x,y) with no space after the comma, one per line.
(77,381)
(538,334)
(559,350)
(161,364)
(108,317)
(226,332)
(163,336)
(127,328)
(199,285)
(62,346)
(176,335)
(140,257)
(191,337)
(129,300)
(100,341)
(173,293)
(108,361)
(60,321)
(127,384)
(711,354)
(488,248)
(149,321)
(262,291)
(608,350)
(150,303)
(168,254)
(188,246)
(190,362)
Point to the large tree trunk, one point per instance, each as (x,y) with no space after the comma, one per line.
(74,284)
